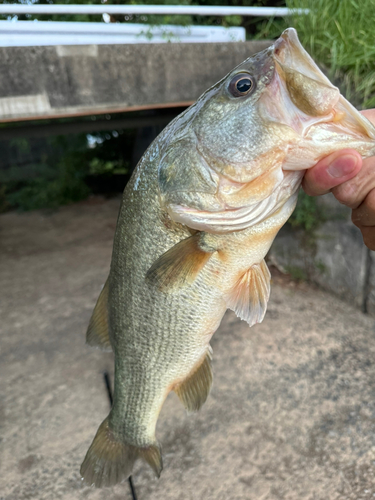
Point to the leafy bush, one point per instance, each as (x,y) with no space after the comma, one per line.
(308,214)
(53,171)
(64,185)
(98,166)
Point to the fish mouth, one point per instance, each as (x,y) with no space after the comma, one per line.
(311,105)
(306,93)
(288,51)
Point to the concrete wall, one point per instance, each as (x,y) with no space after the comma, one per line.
(45,82)
(333,256)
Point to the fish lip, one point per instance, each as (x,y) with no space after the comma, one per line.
(287,43)
(279,47)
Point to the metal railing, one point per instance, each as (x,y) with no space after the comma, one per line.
(201,10)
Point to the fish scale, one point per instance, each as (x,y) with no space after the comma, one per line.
(196,222)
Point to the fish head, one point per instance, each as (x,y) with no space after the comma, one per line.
(248,139)
(268,105)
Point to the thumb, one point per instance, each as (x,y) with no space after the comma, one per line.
(331,171)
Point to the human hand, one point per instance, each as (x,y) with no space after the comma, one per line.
(352,182)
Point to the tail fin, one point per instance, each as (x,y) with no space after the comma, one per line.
(109,461)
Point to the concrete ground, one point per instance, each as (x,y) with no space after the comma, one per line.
(292,410)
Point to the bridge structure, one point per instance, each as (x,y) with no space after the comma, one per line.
(75,80)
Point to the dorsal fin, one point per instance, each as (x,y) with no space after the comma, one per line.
(249,296)
(194,390)
(97,334)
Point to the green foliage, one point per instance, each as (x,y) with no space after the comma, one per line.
(320,266)
(340,35)
(98,166)
(270,28)
(64,184)
(307,215)
(52,171)
(42,173)
(297,273)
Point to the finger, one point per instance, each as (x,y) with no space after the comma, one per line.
(369,114)
(354,191)
(368,235)
(364,215)
(364,218)
(331,171)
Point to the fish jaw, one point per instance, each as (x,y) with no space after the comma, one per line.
(288,52)
(302,97)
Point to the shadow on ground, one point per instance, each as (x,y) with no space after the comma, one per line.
(291,414)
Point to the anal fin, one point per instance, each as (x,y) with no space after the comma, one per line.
(179,266)
(249,296)
(97,334)
(194,390)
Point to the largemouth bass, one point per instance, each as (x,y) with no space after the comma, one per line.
(197,219)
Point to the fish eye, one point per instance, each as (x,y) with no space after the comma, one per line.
(241,85)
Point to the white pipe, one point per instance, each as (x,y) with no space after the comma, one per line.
(212,10)
(28,33)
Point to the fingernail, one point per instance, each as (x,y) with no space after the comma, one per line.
(343,165)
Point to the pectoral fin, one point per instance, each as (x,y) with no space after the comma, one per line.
(97,332)
(194,390)
(180,265)
(249,296)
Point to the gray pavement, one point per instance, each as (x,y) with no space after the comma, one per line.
(292,410)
